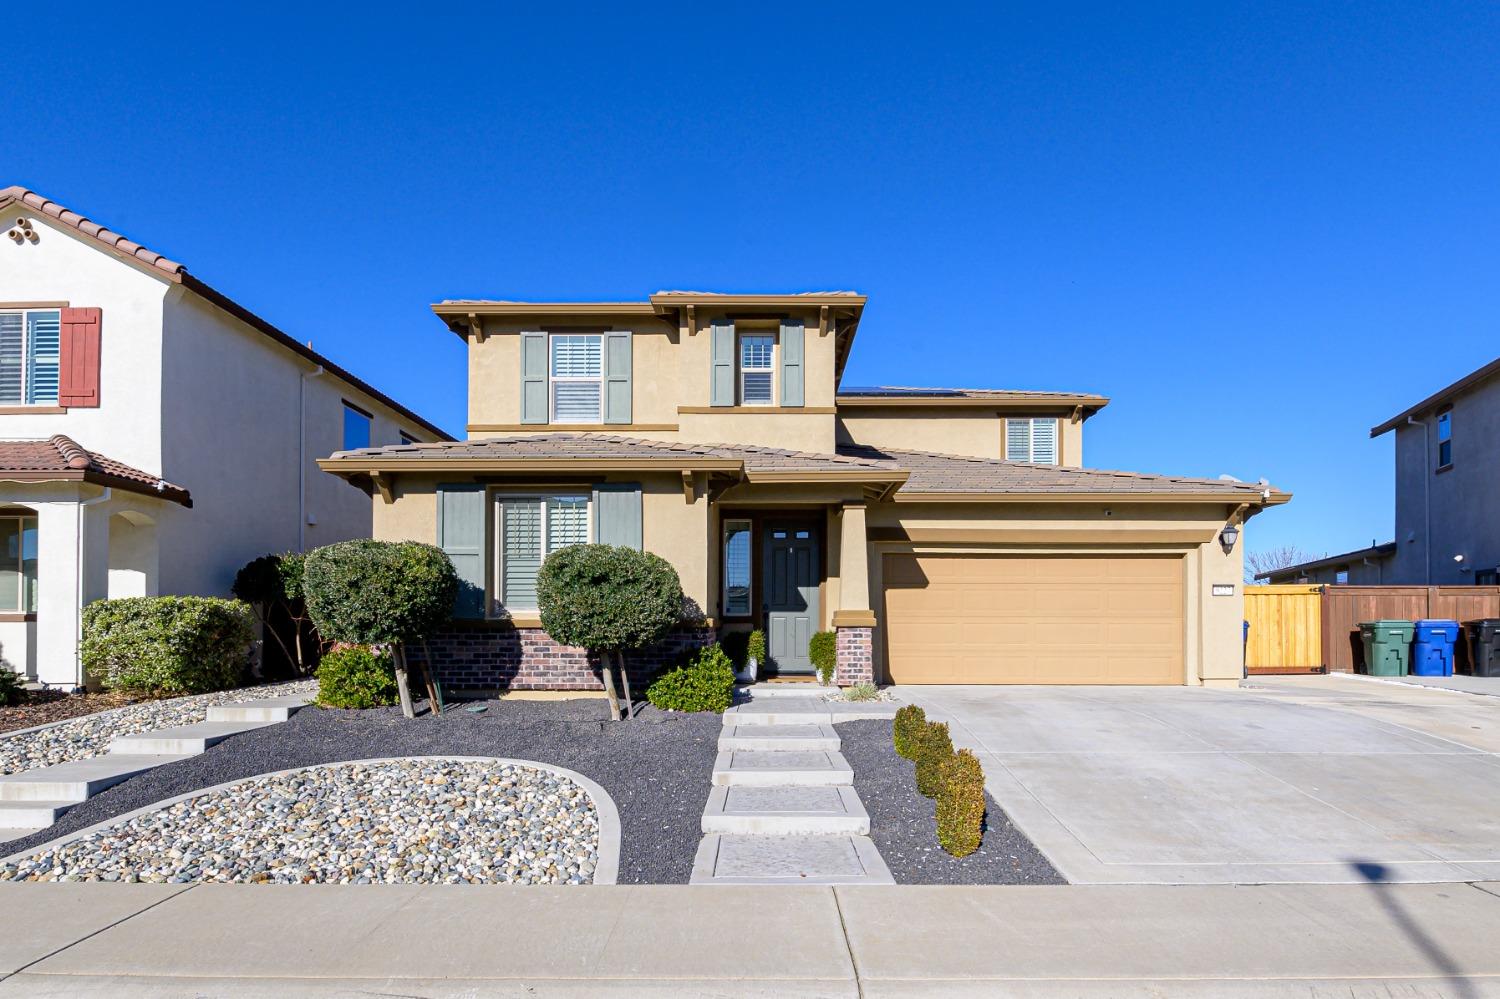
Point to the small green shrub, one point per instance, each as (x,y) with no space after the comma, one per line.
(705,683)
(755,648)
(960,804)
(862,692)
(934,748)
(823,650)
(354,676)
(377,592)
(11,690)
(906,728)
(167,645)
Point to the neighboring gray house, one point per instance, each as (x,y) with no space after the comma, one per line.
(1447,495)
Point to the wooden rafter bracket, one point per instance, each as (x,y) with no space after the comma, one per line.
(476,327)
(386,484)
(689,486)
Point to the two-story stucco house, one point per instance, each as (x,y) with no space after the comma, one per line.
(948,536)
(1447,496)
(154,435)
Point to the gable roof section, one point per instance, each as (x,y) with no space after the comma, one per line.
(62,459)
(878,396)
(177,273)
(1476,377)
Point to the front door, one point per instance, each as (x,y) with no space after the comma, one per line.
(791,593)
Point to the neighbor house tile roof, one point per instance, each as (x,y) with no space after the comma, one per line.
(60,458)
(956,474)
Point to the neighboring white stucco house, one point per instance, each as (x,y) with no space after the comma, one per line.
(154,435)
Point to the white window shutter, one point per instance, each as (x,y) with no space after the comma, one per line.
(1044,441)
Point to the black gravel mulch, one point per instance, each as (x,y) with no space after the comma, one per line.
(903,828)
(657,767)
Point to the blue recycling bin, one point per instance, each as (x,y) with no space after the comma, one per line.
(1432,647)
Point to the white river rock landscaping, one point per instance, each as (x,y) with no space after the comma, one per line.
(417,821)
(90,735)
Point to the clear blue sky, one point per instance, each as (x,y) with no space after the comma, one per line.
(1261,229)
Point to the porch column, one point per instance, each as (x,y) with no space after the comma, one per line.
(854,621)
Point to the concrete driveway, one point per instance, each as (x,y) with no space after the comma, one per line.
(1318,779)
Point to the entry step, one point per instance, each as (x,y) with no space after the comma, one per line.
(79,780)
(184,740)
(780,711)
(761,691)
(21,818)
(770,768)
(782,737)
(270,709)
(785,811)
(783,860)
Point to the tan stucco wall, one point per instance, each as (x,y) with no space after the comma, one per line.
(978,433)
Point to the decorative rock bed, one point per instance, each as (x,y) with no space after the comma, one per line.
(90,735)
(413,821)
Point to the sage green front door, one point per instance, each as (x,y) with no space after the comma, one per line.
(790,591)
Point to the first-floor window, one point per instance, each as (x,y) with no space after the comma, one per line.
(528,529)
(736,568)
(17,563)
(1031,439)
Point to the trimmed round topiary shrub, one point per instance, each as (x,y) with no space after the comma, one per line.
(355,676)
(823,650)
(164,646)
(904,729)
(706,683)
(368,592)
(934,748)
(960,804)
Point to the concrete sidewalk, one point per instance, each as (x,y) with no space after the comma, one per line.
(431,941)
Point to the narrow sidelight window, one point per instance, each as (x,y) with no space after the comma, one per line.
(577,377)
(18,543)
(530,528)
(757,355)
(356,428)
(1445,438)
(1031,439)
(30,348)
(736,568)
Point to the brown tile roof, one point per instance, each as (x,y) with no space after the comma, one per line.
(60,458)
(913,392)
(938,474)
(176,272)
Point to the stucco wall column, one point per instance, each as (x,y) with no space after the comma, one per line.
(854,559)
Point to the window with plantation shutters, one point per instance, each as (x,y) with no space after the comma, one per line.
(577,377)
(529,528)
(30,348)
(1031,439)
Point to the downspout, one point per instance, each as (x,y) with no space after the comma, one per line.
(302,455)
(78,568)
(1426,494)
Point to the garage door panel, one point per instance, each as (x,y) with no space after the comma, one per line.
(1033,619)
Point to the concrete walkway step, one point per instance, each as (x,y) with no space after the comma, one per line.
(761,691)
(769,768)
(810,736)
(79,780)
(780,711)
(270,709)
(789,860)
(785,811)
(21,818)
(184,740)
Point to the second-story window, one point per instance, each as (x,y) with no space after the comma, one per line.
(1031,439)
(577,377)
(30,344)
(757,356)
(1445,438)
(356,428)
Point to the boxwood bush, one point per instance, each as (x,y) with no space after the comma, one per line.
(167,645)
(377,592)
(933,749)
(608,598)
(356,676)
(908,724)
(705,683)
(960,804)
(823,650)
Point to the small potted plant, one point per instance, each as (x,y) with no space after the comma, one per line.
(823,651)
(755,653)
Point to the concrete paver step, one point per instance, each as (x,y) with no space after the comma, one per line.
(780,711)
(270,709)
(762,691)
(807,736)
(78,780)
(780,860)
(842,711)
(184,740)
(20,818)
(785,811)
(771,768)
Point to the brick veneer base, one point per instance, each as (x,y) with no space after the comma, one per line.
(855,662)
(490,657)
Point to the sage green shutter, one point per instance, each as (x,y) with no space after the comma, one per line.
(617,345)
(460,534)
(722,391)
(533,378)
(791,362)
(617,514)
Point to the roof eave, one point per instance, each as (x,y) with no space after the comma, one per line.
(1439,397)
(1089,404)
(1043,496)
(392,466)
(166,491)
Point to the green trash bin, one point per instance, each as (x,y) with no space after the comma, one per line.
(1387,646)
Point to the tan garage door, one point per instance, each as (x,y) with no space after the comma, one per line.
(1033,619)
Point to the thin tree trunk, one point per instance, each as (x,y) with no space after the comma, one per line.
(625,679)
(398,656)
(435,704)
(265,627)
(606,669)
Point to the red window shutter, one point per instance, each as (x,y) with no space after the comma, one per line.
(79,362)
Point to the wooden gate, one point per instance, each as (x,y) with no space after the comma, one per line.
(1345,606)
(1286,634)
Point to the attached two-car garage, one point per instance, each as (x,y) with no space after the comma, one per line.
(1051,619)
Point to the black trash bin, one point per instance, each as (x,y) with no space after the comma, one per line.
(1484,646)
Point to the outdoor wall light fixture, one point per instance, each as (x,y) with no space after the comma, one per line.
(1228,537)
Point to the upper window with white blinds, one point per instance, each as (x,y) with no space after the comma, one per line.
(757,356)
(530,528)
(1031,439)
(30,344)
(577,377)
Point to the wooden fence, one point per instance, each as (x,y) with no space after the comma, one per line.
(1309,629)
